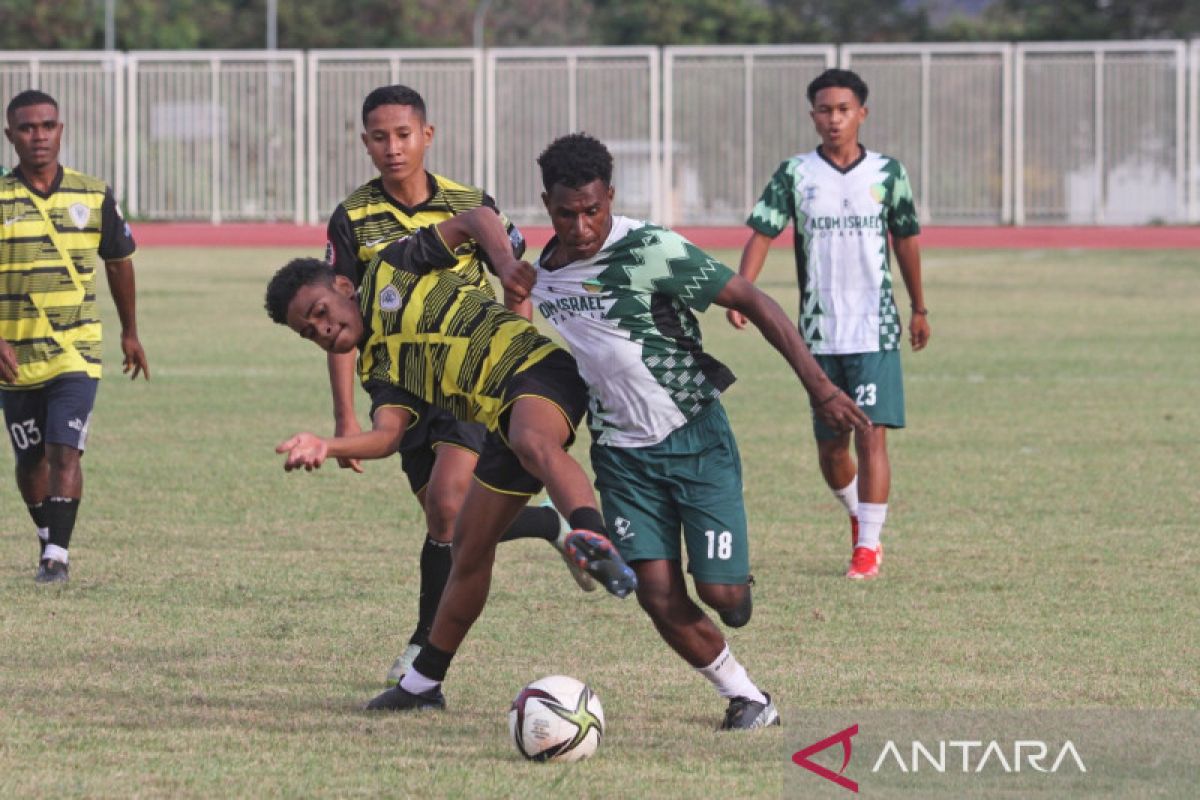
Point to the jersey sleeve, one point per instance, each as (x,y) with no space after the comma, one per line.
(686,272)
(776,205)
(420,253)
(902,209)
(341,246)
(116,239)
(515,237)
(387,394)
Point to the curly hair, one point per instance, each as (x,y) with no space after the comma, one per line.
(396,95)
(29,97)
(575,160)
(838,79)
(291,278)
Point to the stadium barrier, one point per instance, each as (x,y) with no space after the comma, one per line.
(1078,133)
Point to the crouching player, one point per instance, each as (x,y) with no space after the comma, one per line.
(426,334)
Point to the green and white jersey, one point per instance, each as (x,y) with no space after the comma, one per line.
(626,314)
(843,218)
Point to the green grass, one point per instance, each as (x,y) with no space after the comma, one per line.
(225,620)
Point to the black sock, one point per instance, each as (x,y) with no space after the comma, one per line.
(588,519)
(38,512)
(435,571)
(59,513)
(534,522)
(433,662)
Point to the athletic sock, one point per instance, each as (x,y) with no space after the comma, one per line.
(428,670)
(729,678)
(534,522)
(588,519)
(848,496)
(60,519)
(38,512)
(55,553)
(870,523)
(436,560)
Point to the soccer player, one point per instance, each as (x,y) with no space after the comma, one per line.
(621,292)
(845,200)
(438,453)
(56,224)
(427,335)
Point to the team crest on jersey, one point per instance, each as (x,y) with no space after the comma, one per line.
(810,193)
(80,214)
(389,299)
(878,192)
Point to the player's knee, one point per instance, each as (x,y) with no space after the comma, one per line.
(441,510)
(534,451)
(733,603)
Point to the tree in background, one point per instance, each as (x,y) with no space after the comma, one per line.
(305,24)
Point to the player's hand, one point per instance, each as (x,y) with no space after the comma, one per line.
(348,427)
(305,450)
(517,278)
(839,411)
(736,318)
(8,362)
(135,357)
(918,331)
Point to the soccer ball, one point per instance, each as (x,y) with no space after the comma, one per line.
(556,719)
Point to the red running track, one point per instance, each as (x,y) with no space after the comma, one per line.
(160,234)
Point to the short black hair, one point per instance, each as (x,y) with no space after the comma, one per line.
(29,97)
(397,95)
(575,160)
(838,79)
(291,278)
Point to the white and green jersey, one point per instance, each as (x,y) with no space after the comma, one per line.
(843,218)
(626,314)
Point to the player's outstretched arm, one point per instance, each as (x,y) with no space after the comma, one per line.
(833,406)
(341,384)
(908,257)
(308,451)
(483,225)
(121,285)
(754,255)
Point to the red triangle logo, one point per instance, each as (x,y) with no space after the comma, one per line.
(801,757)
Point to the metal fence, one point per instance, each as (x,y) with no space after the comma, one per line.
(1046,133)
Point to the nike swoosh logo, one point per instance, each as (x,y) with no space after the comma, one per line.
(11,221)
(374,242)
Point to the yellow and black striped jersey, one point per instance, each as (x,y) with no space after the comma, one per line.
(50,246)
(370,219)
(434,335)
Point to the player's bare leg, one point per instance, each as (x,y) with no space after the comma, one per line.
(683,625)
(56,482)
(537,433)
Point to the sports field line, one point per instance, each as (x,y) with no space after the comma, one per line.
(271,234)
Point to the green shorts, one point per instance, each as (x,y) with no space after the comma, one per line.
(874,381)
(690,481)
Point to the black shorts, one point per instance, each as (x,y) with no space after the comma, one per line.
(435,428)
(58,412)
(554,378)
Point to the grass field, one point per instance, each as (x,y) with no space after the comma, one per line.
(225,620)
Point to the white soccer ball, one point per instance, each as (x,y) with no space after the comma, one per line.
(556,719)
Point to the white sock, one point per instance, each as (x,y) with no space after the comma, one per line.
(55,552)
(44,534)
(870,523)
(848,496)
(730,678)
(416,683)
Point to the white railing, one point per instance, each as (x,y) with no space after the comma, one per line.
(1044,133)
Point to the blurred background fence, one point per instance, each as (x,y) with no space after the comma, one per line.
(1042,133)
